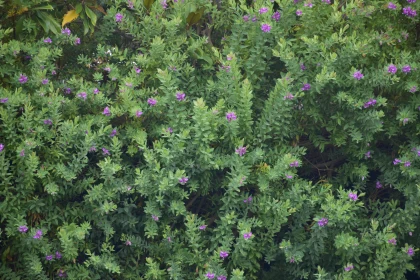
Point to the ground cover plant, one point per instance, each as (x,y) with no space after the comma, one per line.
(194,139)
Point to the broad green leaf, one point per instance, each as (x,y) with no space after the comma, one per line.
(91,15)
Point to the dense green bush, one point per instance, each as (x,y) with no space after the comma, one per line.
(193,139)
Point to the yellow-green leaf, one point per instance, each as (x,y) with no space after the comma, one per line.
(91,15)
(69,17)
(193,18)
(148,3)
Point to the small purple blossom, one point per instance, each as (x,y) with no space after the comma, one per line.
(276,16)
(128,243)
(310,5)
(95,91)
(62,273)
(413,89)
(248,200)
(210,275)
(58,255)
(22,153)
(323,222)
(254,19)
(1,147)
(378,185)
(245,18)
(92,149)
(410,233)
(77,41)
(105,151)
(370,103)
(298,13)
(106,112)
(38,234)
(169,129)
(367,155)
(306,87)
(183,180)
(67,90)
(407,164)
(155,218)
(353,196)
(107,69)
(408,11)
(4,100)
(202,227)
(48,122)
(263,10)
(289,96)
(66,31)
(228,57)
(138,70)
(49,257)
(396,161)
(288,176)
(151,101)
(230,116)
(302,67)
(240,151)
(349,267)
(294,164)
(23,79)
(410,252)
(130,4)
(82,95)
(326,1)
(392,69)
(113,133)
(405,120)
(392,6)
(411,1)
(118,17)
(358,75)
(406,69)
(221,277)
(45,81)
(247,235)
(23,229)
(180,96)
(224,254)
(53,72)
(139,113)
(392,241)
(164,4)
(48,40)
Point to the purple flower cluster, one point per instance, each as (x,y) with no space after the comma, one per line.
(118,17)
(105,152)
(183,180)
(38,234)
(77,41)
(298,13)
(306,87)
(45,81)
(410,251)
(378,185)
(353,196)
(392,241)
(265,28)
(95,91)
(411,1)
(349,267)
(48,122)
(151,101)
(49,257)
(323,222)
(113,133)
(23,79)
(263,10)
(276,16)
(128,243)
(23,229)
(221,277)
(326,1)
(358,75)
(1,147)
(82,95)
(396,161)
(408,11)
(247,235)
(180,96)
(66,31)
(48,40)
(156,218)
(139,113)
(62,273)
(392,69)
(245,18)
(294,164)
(106,112)
(289,96)
(230,116)
(202,227)
(413,89)
(392,6)
(240,151)
(210,275)
(370,103)
(407,164)
(248,200)
(367,155)
(4,100)
(58,255)
(224,254)
(406,69)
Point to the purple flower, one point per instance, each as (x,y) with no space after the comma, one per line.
(48,40)
(106,112)
(107,69)
(348,268)
(245,18)
(228,57)
(413,89)
(294,164)
(62,273)
(396,161)
(326,1)
(418,152)
(353,196)
(58,255)
(164,4)
(409,12)
(263,10)
(210,275)
(118,17)
(298,13)
(306,87)
(406,69)
(240,151)
(23,79)
(138,70)
(128,243)
(358,75)
(4,100)
(391,6)
(392,69)
(254,19)
(1,147)
(224,254)
(49,257)
(247,235)
(411,1)
(392,241)
(405,120)
(276,16)
(289,176)
(95,91)
(130,4)
(82,95)
(45,81)
(183,180)
(367,155)
(53,72)
(248,200)
(23,229)
(48,122)
(67,91)
(310,5)
(230,116)
(139,113)
(113,133)
(370,103)
(38,234)
(180,96)
(22,153)
(92,149)
(105,151)
(289,96)
(410,251)
(156,218)
(221,277)
(151,101)
(378,185)
(407,164)
(77,41)
(66,31)
(202,227)
(302,67)
(323,222)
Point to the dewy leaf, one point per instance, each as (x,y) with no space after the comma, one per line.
(91,15)
(69,17)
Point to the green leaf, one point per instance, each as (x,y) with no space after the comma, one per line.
(91,15)
(79,8)
(193,18)
(47,7)
(148,3)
